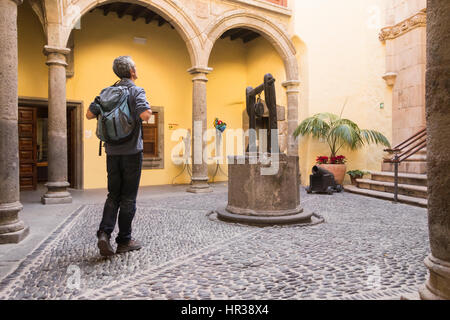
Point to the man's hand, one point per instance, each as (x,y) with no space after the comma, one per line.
(146,115)
(90,115)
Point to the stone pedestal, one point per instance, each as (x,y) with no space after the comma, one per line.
(258,193)
(438,149)
(12,230)
(199,126)
(57,128)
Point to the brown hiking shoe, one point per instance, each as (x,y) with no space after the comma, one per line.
(103,244)
(132,245)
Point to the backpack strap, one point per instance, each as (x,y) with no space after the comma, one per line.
(100,149)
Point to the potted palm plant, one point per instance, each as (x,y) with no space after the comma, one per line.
(338,133)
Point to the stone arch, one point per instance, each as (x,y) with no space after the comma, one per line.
(170,10)
(267,28)
(39,11)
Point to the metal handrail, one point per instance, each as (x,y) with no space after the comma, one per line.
(416,143)
(412,139)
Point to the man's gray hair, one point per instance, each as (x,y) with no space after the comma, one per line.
(122,66)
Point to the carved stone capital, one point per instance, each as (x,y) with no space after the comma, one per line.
(197,70)
(392,32)
(56,56)
(200,73)
(292,86)
(390,78)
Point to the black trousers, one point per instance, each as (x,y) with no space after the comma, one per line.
(124,175)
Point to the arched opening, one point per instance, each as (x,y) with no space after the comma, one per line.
(240,58)
(162,11)
(115,29)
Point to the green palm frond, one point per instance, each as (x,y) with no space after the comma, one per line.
(372,136)
(339,132)
(314,126)
(347,122)
(345,134)
(327,116)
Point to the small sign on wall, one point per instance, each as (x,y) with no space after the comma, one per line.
(152,119)
(173,126)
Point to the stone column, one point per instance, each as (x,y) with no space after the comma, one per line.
(292,91)
(12,230)
(438,148)
(199,127)
(57,127)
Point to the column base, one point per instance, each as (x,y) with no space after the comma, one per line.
(57,193)
(200,186)
(12,230)
(14,237)
(437,286)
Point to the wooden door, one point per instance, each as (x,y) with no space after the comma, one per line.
(27,148)
(71,156)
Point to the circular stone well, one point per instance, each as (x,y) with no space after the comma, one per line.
(264,190)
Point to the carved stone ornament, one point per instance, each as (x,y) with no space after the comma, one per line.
(416,21)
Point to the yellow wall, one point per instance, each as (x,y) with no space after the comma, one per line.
(33,72)
(161,64)
(339,57)
(226,92)
(345,59)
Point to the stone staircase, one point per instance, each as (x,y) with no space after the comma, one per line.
(412,183)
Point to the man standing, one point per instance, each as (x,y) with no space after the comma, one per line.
(124,165)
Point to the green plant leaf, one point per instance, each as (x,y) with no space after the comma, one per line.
(314,126)
(373,136)
(338,132)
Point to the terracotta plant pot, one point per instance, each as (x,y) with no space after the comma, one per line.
(339,171)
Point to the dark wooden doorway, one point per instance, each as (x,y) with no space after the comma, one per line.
(27,147)
(33,144)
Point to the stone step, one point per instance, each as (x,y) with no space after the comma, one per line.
(387,196)
(403,189)
(418,167)
(417,157)
(403,178)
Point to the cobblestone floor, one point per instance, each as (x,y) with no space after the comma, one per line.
(366,249)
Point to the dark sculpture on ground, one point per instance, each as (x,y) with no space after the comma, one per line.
(322,181)
(255,109)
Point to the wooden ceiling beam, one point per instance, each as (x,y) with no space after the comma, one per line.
(234,32)
(107,9)
(137,12)
(226,33)
(122,10)
(241,34)
(149,17)
(161,21)
(251,37)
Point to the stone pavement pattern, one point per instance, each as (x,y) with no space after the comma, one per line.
(189,254)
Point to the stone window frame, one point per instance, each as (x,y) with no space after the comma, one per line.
(157,162)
